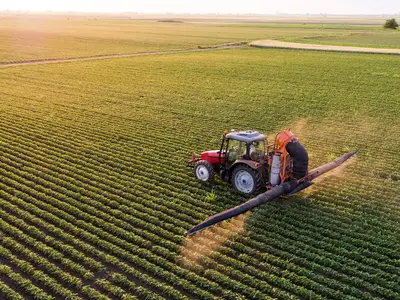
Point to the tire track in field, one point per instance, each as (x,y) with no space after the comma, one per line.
(317,47)
(108,56)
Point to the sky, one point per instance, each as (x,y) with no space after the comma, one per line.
(210,6)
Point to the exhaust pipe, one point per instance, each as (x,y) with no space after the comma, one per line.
(270,195)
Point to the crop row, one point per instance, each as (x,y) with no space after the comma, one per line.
(25,285)
(63,278)
(81,205)
(73,215)
(273,267)
(115,201)
(61,233)
(36,273)
(340,256)
(50,253)
(84,190)
(98,238)
(95,194)
(91,161)
(8,293)
(341,238)
(302,254)
(334,281)
(99,249)
(85,204)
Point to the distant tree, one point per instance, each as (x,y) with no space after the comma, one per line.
(391,24)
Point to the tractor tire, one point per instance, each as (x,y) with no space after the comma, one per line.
(204,171)
(246,180)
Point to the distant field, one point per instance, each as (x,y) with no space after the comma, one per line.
(95,194)
(213,18)
(23,38)
(373,39)
(320,47)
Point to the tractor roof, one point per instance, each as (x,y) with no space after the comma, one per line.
(245,136)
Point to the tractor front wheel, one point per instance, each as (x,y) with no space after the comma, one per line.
(246,180)
(204,171)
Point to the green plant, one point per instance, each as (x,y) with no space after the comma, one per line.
(210,196)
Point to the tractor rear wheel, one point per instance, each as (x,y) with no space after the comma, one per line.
(246,180)
(204,171)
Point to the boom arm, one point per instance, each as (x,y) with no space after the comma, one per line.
(270,195)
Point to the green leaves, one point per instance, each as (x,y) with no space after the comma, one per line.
(95,194)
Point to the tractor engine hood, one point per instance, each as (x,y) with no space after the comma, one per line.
(212,156)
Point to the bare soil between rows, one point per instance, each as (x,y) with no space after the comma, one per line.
(317,47)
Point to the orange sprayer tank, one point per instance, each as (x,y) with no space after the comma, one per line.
(283,138)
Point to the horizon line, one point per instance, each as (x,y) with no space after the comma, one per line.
(27,11)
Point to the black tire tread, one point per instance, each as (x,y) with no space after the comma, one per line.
(209,167)
(256,174)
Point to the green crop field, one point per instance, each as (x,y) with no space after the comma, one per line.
(95,194)
(24,39)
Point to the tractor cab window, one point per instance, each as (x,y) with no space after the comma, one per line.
(257,150)
(235,150)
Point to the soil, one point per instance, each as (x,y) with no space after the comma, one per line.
(288,45)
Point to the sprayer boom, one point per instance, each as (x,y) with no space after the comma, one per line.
(287,188)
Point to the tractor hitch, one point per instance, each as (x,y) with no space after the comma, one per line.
(195,158)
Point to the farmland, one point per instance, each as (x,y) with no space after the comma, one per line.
(95,194)
(377,38)
(32,38)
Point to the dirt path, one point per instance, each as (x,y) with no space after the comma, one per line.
(287,45)
(53,61)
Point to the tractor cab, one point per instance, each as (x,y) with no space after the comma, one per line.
(243,145)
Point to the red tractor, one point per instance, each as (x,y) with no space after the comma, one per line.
(247,160)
